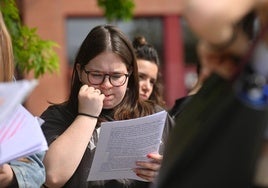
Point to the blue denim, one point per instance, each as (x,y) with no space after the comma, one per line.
(29,174)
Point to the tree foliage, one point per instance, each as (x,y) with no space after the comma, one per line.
(117,9)
(31,53)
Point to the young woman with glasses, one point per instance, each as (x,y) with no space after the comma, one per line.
(105,87)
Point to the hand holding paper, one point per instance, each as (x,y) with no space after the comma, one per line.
(122,143)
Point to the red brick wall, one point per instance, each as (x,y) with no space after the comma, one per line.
(48,16)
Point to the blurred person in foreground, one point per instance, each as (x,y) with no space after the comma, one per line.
(26,172)
(219,139)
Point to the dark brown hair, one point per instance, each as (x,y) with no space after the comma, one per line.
(109,38)
(146,51)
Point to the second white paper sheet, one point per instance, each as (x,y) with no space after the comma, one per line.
(122,143)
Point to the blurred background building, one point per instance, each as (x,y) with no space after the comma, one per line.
(67,22)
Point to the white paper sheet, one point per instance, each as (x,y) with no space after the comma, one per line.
(20,131)
(122,143)
(14,93)
(20,135)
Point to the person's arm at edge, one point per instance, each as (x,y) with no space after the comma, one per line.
(28,171)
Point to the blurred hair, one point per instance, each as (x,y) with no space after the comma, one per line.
(6,54)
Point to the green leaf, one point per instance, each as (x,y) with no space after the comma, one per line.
(117,9)
(31,53)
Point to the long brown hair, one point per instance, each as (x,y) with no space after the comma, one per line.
(6,54)
(110,38)
(146,51)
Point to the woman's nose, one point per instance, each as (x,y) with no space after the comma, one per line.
(106,83)
(146,84)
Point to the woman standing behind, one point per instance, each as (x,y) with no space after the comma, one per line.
(151,86)
(105,87)
(26,172)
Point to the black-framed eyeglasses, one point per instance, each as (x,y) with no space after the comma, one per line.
(97,78)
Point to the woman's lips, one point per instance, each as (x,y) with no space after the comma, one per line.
(143,96)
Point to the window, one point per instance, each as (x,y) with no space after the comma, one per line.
(150,27)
